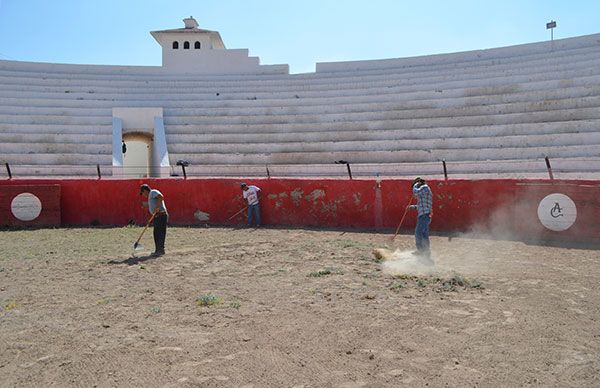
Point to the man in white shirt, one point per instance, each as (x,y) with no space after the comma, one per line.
(157,207)
(251,194)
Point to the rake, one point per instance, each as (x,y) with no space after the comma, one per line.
(137,246)
(402,220)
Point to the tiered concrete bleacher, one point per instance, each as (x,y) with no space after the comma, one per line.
(495,112)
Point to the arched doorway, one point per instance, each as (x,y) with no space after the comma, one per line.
(137,159)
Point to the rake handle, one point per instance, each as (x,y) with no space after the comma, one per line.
(402,219)
(143,231)
(246,207)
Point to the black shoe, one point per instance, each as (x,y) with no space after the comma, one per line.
(158,253)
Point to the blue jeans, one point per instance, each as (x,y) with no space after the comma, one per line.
(254,209)
(422,233)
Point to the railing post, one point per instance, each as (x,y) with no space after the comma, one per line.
(445,170)
(349,171)
(268,173)
(184,173)
(98,170)
(549,168)
(8,171)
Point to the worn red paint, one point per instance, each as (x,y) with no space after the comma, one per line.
(459,205)
(49,196)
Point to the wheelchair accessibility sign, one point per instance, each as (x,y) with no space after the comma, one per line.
(557,212)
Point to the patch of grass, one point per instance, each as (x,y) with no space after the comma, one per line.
(155,310)
(320,273)
(397,286)
(452,283)
(208,300)
(9,305)
(235,305)
(459,281)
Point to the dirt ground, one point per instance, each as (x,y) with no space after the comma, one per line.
(293,308)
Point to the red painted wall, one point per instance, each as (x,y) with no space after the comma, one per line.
(502,205)
(49,196)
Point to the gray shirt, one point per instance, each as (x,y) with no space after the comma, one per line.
(152,201)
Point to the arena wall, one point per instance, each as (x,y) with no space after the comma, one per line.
(504,207)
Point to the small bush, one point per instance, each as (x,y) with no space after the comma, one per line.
(208,300)
(320,273)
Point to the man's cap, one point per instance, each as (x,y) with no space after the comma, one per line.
(417,179)
(242,185)
(144,187)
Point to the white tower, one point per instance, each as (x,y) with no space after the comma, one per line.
(198,51)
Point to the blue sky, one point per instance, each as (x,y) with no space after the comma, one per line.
(299,33)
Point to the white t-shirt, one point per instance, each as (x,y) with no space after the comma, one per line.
(251,195)
(153,199)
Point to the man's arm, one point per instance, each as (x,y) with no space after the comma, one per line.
(159,202)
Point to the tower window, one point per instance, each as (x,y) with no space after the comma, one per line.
(175,45)
(186,45)
(197,45)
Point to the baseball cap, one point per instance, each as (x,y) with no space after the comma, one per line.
(144,187)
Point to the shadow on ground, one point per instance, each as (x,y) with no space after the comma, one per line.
(133,260)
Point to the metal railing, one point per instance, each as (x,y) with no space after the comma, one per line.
(539,168)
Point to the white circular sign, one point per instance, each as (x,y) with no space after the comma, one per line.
(557,212)
(26,207)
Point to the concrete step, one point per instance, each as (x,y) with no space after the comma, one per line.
(430,145)
(48,159)
(56,129)
(401,119)
(55,119)
(341,133)
(378,124)
(35,171)
(540,81)
(405,109)
(584,167)
(536,60)
(416,108)
(53,111)
(33,149)
(569,69)
(54,138)
(404,156)
(431,99)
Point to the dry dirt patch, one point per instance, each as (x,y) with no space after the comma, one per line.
(292,307)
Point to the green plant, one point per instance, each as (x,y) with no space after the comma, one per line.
(396,286)
(320,273)
(208,300)
(235,305)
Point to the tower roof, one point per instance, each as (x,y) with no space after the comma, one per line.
(191,27)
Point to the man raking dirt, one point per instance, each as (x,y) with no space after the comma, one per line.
(158,210)
(424,208)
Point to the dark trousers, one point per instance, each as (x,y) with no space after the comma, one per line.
(160,231)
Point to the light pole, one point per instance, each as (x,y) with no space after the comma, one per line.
(551,26)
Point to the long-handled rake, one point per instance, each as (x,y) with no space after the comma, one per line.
(402,219)
(229,219)
(137,246)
